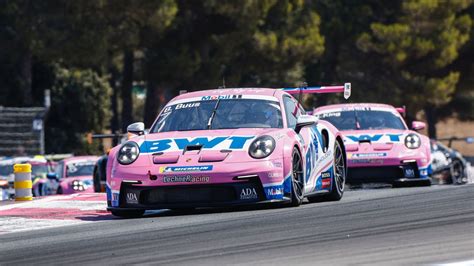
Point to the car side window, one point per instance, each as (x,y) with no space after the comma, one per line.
(290,108)
(59,170)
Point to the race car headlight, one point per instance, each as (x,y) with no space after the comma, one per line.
(77,185)
(261,147)
(412,141)
(128,153)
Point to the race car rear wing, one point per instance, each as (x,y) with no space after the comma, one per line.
(346,89)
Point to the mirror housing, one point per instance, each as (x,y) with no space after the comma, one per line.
(305,120)
(418,125)
(137,128)
(52,176)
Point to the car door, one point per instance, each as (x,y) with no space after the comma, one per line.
(309,139)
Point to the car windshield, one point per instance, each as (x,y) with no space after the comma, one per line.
(39,169)
(85,168)
(228,114)
(6,170)
(363,119)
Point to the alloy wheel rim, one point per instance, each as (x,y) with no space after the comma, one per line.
(340,169)
(297,172)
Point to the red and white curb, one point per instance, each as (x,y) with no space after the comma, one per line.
(53,211)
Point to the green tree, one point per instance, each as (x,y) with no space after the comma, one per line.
(79,104)
(239,43)
(417,50)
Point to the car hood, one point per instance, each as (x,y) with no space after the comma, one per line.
(376,140)
(203,146)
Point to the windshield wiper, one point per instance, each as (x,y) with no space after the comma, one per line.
(209,123)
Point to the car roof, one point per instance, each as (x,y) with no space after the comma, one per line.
(81,158)
(230,91)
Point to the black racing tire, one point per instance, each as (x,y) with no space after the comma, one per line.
(297,179)
(339,181)
(456,172)
(128,213)
(96,179)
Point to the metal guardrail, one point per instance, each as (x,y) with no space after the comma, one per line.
(450,140)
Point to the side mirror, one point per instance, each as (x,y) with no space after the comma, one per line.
(417,125)
(137,128)
(305,120)
(52,176)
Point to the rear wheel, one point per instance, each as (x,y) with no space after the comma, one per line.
(457,172)
(338,182)
(128,213)
(297,179)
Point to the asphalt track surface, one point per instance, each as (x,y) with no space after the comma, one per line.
(421,225)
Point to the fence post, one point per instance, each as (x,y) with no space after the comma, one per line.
(23,182)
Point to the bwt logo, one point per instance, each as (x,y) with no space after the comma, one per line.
(234,142)
(374,138)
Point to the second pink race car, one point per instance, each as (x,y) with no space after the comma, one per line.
(380,147)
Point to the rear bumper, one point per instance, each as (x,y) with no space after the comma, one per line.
(138,197)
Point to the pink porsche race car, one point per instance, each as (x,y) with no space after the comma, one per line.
(379,145)
(228,147)
(74,175)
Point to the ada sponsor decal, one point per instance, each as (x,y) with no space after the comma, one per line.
(132,197)
(198,168)
(186,179)
(275,191)
(248,193)
(365,155)
(221,97)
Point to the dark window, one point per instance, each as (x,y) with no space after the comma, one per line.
(363,119)
(230,113)
(292,111)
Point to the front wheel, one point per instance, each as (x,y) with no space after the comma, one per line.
(297,179)
(128,213)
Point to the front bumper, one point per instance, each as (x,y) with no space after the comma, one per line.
(134,196)
(404,172)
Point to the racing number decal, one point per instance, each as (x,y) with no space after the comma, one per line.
(311,153)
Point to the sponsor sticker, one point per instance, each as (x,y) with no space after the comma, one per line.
(132,197)
(326,175)
(326,183)
(197,168)
(371,161)
(275,191)
(186,179)
(275,175)
(221,97)
(409,172)
(177,144)
(365,155)
(277,164)
(248,193)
